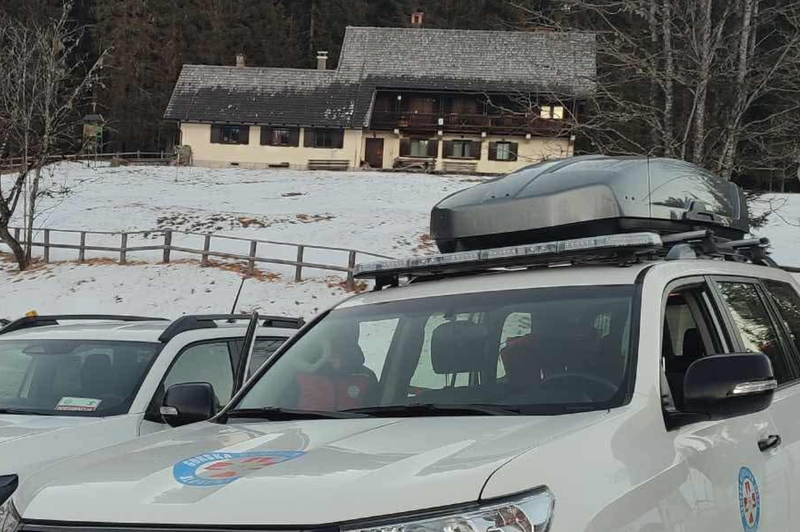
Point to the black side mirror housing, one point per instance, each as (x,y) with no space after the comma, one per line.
(188,403)
(730,385)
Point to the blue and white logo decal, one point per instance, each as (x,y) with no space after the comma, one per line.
(749,500)
(218,469)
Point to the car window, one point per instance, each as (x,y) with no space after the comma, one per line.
(375,339)
(788,303)
(73,377)
(557,347)
(207,362)
(262,351)
(754,325)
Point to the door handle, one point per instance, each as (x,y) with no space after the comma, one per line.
(771,441)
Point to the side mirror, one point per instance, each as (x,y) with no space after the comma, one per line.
(188,403)
(725,386)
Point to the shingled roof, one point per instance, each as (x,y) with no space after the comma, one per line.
(388,58)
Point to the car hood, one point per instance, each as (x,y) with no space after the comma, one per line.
(28,440)
(287,473)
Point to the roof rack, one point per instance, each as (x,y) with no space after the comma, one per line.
(621,249)
(28,322)
(209,321)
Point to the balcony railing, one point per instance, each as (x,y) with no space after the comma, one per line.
(517,123)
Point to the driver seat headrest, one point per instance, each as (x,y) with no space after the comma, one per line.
(458,347)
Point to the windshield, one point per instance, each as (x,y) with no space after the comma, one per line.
(72,377)
(547,350)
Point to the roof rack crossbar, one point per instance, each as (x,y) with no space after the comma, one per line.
(209,321)
(28,322)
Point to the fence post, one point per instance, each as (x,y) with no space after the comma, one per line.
(206,248)
(16,234)
(351,264)
(138,154)
(252,262)
(46,245)
(123,249)
(298,271)
(82,248)
(167,245)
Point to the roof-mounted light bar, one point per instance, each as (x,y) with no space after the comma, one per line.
(516,256)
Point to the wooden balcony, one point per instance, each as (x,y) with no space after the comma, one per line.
(468,123)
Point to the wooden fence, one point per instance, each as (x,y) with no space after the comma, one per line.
(140,156)
(167,247)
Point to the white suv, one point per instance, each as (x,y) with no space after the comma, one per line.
(72,384)
(621,382)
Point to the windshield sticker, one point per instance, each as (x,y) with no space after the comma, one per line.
(78,404)
(218,469)
(749,500)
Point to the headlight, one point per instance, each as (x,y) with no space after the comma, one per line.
(532,512)
(9,518)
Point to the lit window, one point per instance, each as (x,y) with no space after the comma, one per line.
(552,112)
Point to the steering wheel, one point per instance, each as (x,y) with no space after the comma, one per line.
(596,384)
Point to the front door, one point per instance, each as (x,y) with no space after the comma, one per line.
(738,480)
(375,153)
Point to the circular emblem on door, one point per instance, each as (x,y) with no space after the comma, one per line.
(749,500)
(354,391)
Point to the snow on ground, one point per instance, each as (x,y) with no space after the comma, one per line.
(384,213)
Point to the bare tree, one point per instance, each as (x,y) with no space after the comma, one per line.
(44,89)
(711,81)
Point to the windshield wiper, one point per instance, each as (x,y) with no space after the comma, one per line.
(21,412)
(287,414)
(430,409)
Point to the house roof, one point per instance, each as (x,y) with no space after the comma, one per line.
(387,58)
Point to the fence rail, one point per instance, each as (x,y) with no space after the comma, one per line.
(14,162)
(43,239)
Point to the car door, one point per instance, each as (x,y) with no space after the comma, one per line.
(786,405)
(729,483)
(208,361)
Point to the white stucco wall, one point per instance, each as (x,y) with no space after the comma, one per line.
(253,155)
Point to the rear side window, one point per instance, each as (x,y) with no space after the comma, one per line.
(788,303)
(752,320)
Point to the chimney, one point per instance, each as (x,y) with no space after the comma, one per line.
(240,60)
(322,60)
(417,19)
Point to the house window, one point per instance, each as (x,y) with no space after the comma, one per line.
(552,112)
(230,134)
(419,148)
(462,149)
(324,138)
(279,136)
(503,151)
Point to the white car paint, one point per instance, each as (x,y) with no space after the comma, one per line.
(619,470)
(28,443)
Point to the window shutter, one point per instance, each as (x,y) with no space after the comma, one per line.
(492,151)
(216,134)
(338,139)
(433,148)
(448,148)
(294,137)
(265,134)
(513,149)
(477,146)
(244,134)
(308,140)
(405,147)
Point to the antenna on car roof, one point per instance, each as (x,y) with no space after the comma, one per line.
(239,293)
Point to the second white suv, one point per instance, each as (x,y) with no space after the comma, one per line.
(71,384)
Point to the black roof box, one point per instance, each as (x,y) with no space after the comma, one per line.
(589,196)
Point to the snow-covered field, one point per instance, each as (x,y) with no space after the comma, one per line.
(384,213)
